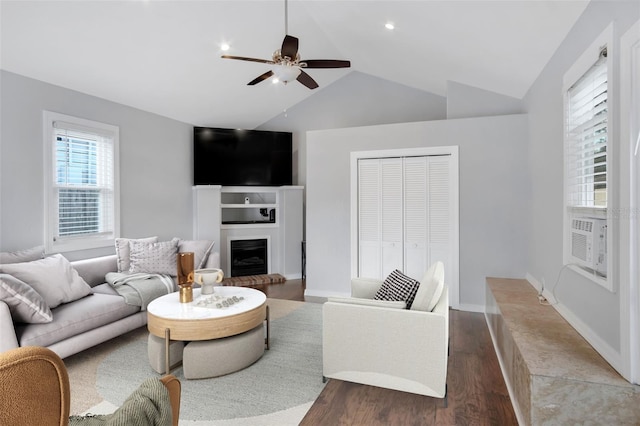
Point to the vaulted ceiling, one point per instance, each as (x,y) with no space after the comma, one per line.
(164,56)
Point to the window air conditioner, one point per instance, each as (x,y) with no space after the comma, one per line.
(589,244)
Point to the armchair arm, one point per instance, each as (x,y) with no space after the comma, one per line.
(8,339)
(174,387)
(365,288)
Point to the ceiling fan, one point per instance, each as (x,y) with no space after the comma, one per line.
(286,63)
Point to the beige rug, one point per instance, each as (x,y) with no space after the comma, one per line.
(96,369)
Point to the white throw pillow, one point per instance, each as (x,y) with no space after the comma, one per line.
(25,304)
(154,258)
(19,256)
(52,277)
(123,251)
(430,289)
(398,286)
(200,248)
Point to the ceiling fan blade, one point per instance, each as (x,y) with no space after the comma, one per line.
(258,79)
(242,58)
(289,47)
(326,63)
(306,79)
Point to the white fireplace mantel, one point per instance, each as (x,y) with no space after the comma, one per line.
(223,214)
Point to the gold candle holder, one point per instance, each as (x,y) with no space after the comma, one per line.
(185,276)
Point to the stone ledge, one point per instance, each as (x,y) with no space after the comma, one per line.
(553,374)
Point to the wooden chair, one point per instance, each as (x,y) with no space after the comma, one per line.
(34,385)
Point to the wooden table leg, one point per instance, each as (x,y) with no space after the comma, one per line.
(166,350)
(266,340)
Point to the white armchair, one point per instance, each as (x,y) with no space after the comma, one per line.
(383,344)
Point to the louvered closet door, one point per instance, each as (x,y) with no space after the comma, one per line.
(416,209)
(380,224)
(392,223)
(369,228)
(405,215)
(440,223)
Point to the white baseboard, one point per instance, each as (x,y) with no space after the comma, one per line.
(323,293)
(468,307)
(297,276)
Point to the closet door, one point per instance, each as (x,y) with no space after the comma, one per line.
(392,215)
(441,222)
(380,219)
(369,240)
(416,209)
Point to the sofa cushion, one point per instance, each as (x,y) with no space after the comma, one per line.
(155,258)
(71,319)
(430,289)
(200,248)
(27,255)
(52,277)
(394,304)
(25,304)
(123,251)
(398,286)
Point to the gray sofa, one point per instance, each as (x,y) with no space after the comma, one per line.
(82,323)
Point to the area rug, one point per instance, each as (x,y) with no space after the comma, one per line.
(276,390)
(254,280)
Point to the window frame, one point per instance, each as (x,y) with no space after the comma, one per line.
(581,66)
(53,243)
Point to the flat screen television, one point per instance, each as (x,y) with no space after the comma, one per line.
(235,157)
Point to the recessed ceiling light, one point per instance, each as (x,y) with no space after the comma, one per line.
(275,80)
(389,25)
(224,47)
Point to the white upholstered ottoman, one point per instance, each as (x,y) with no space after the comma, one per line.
(212,358)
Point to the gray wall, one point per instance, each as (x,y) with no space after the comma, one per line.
(596,311)
(494,198)
(357,99)
(465,101)
(155,164)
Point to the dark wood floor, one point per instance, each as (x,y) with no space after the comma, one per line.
(477,394)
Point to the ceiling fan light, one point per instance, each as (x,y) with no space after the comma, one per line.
(286,73)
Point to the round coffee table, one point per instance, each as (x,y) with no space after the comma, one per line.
(198,321)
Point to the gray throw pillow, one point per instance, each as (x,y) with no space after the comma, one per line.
(25,304)
(200,248)
(27,255)
(52,277)
(123,251)
(154,258)
(398,286)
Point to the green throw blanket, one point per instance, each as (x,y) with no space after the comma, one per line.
(140,289)
(149,405)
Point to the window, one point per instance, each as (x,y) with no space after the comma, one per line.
(81,183)
(586,137)
(587,155)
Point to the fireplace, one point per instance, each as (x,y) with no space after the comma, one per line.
(249,257)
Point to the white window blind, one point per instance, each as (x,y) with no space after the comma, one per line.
(82,180)
(586,137)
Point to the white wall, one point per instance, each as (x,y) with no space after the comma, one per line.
(155,166)
(494,197)
(594,311)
